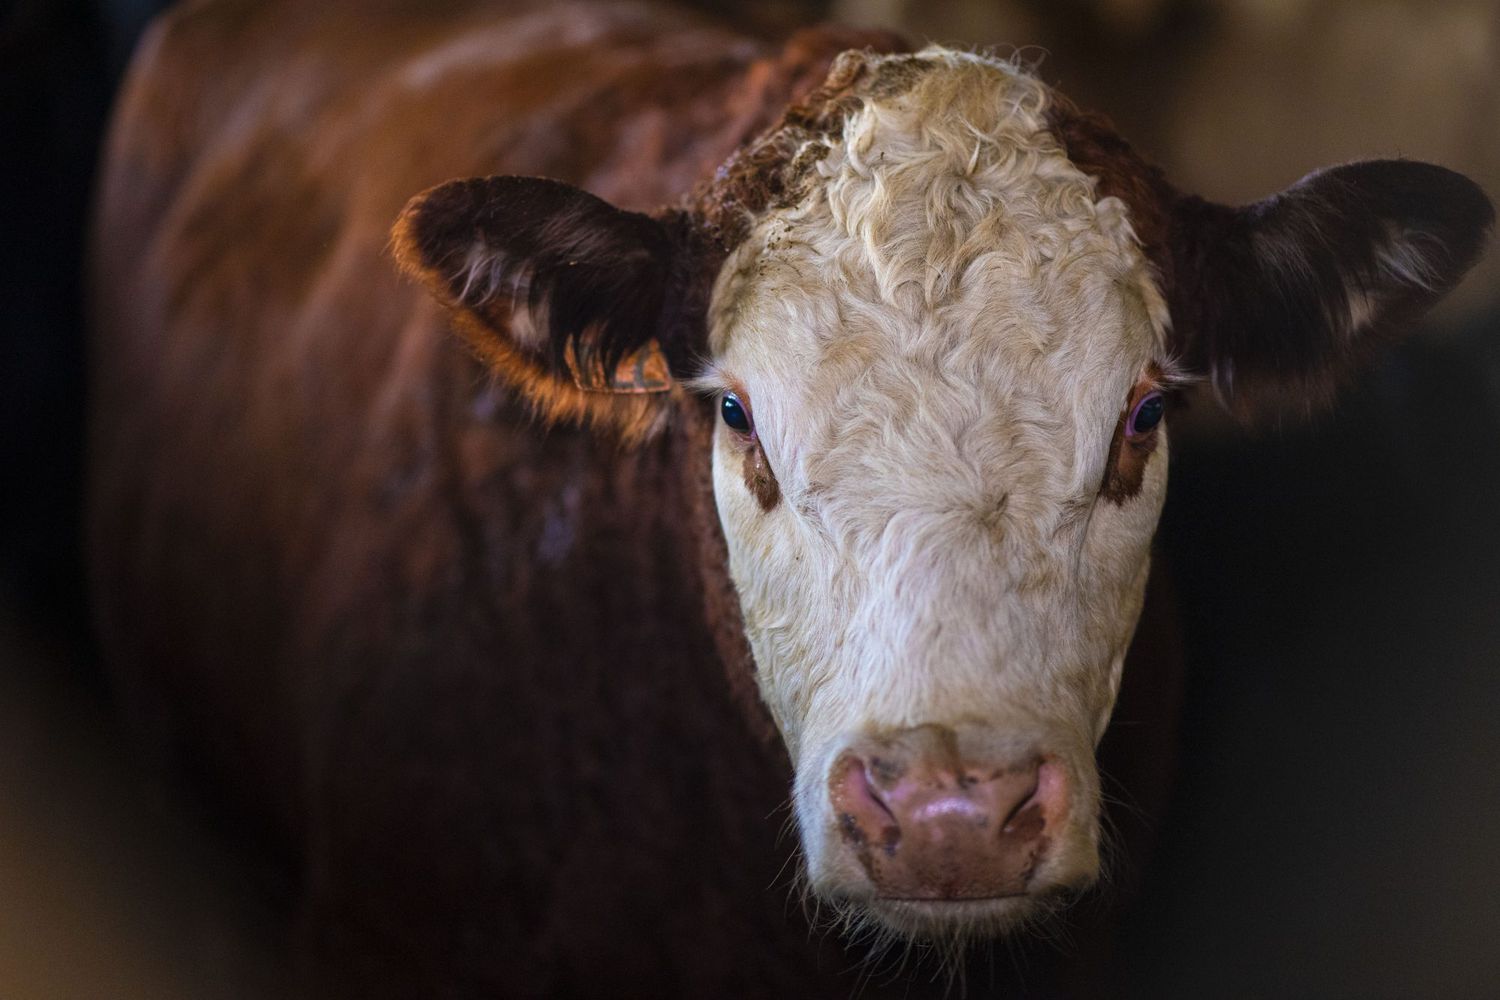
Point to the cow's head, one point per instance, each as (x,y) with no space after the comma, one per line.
(939,314)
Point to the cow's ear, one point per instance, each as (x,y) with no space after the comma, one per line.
(579,305)
(1278,302)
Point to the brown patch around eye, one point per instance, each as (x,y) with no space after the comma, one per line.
(1125,470)
(759,479)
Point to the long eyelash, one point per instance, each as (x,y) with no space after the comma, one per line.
(1172,377)
(711,381)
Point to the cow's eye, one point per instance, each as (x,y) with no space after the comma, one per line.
(736,415)
(1146,415)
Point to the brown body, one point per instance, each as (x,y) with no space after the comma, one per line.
(483,681)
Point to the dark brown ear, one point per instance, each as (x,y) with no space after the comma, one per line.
(583,307)
(1278,302)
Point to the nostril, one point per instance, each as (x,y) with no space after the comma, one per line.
(1027,803)
(864,818)
(1044,804)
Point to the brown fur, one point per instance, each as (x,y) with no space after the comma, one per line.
(1125,470)
(1094,146)
(772,170)
(759,479)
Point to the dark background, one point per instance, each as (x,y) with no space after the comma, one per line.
(1335,828)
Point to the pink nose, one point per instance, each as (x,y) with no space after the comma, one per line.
(926,824)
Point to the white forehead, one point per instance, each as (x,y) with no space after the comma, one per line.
(949,273)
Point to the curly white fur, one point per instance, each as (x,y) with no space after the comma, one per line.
(937,343)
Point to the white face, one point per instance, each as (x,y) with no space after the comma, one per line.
(935,347)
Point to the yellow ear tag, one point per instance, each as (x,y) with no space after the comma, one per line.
(641,372)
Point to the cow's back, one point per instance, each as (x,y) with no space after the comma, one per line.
(461,661)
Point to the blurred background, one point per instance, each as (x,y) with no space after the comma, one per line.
(1334,831)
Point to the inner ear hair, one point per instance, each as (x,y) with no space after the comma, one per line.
(555,287)
(549,266)
(1281,301)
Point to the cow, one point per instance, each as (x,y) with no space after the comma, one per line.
(810,437)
